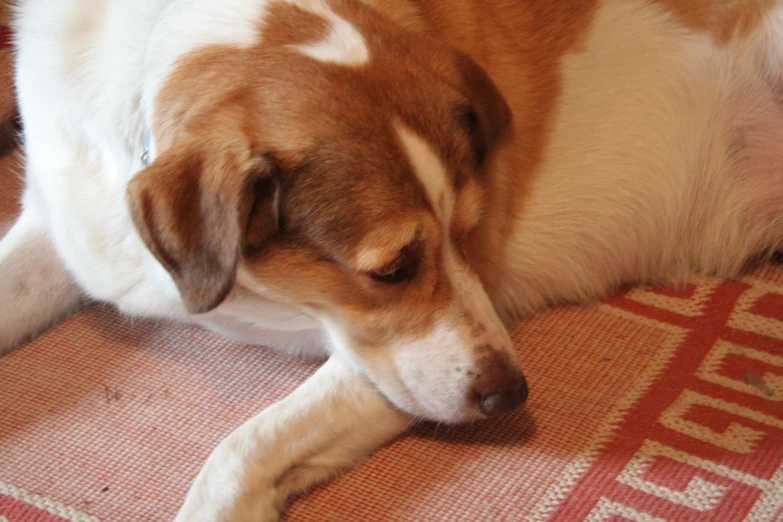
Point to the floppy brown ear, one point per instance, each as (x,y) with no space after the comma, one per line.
(196,207)
(490,114)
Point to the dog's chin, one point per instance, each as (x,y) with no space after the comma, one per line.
(429,407)
(457,416)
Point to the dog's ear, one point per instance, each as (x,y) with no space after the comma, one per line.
(197,207)
(489,114)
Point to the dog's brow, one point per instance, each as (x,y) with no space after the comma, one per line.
(430,171)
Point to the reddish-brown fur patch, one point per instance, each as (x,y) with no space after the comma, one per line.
(327,131)
(194,217)
(289,24)
(520,45)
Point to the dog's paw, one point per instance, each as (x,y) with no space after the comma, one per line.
(234,486)
(328,425)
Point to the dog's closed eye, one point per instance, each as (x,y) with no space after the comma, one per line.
(403,268)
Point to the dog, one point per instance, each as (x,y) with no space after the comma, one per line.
(389,184)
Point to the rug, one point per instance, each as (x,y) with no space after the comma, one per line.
(659,404)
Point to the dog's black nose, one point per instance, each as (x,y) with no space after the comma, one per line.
(505,400)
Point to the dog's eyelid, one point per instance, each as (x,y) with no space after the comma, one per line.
(393,266)
(403,267)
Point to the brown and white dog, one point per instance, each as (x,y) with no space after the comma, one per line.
(388,183)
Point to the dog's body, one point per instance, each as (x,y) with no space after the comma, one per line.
(334,178)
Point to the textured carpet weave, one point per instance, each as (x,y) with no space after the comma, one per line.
(659,404)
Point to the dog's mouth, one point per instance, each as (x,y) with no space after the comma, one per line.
(450,393)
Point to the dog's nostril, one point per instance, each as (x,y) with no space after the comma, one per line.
(505,400)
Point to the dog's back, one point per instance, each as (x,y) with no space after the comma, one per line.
(647,148)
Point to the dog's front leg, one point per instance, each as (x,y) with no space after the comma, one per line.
(326,426)
(36,290)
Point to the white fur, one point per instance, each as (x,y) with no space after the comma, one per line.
(431,173)
(327,425)
(77,167)
(31,271)
(345,45)
(637,183)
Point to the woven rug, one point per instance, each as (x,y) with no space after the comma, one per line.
(660,404)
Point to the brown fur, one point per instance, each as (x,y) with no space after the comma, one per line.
(522,56)
(327,132)
(192,208)
(332,158)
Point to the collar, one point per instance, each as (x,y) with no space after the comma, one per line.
(145,136)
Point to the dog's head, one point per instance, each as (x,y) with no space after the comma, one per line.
(339,168)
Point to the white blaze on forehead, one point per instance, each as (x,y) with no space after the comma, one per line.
(431,172)
(344,45)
